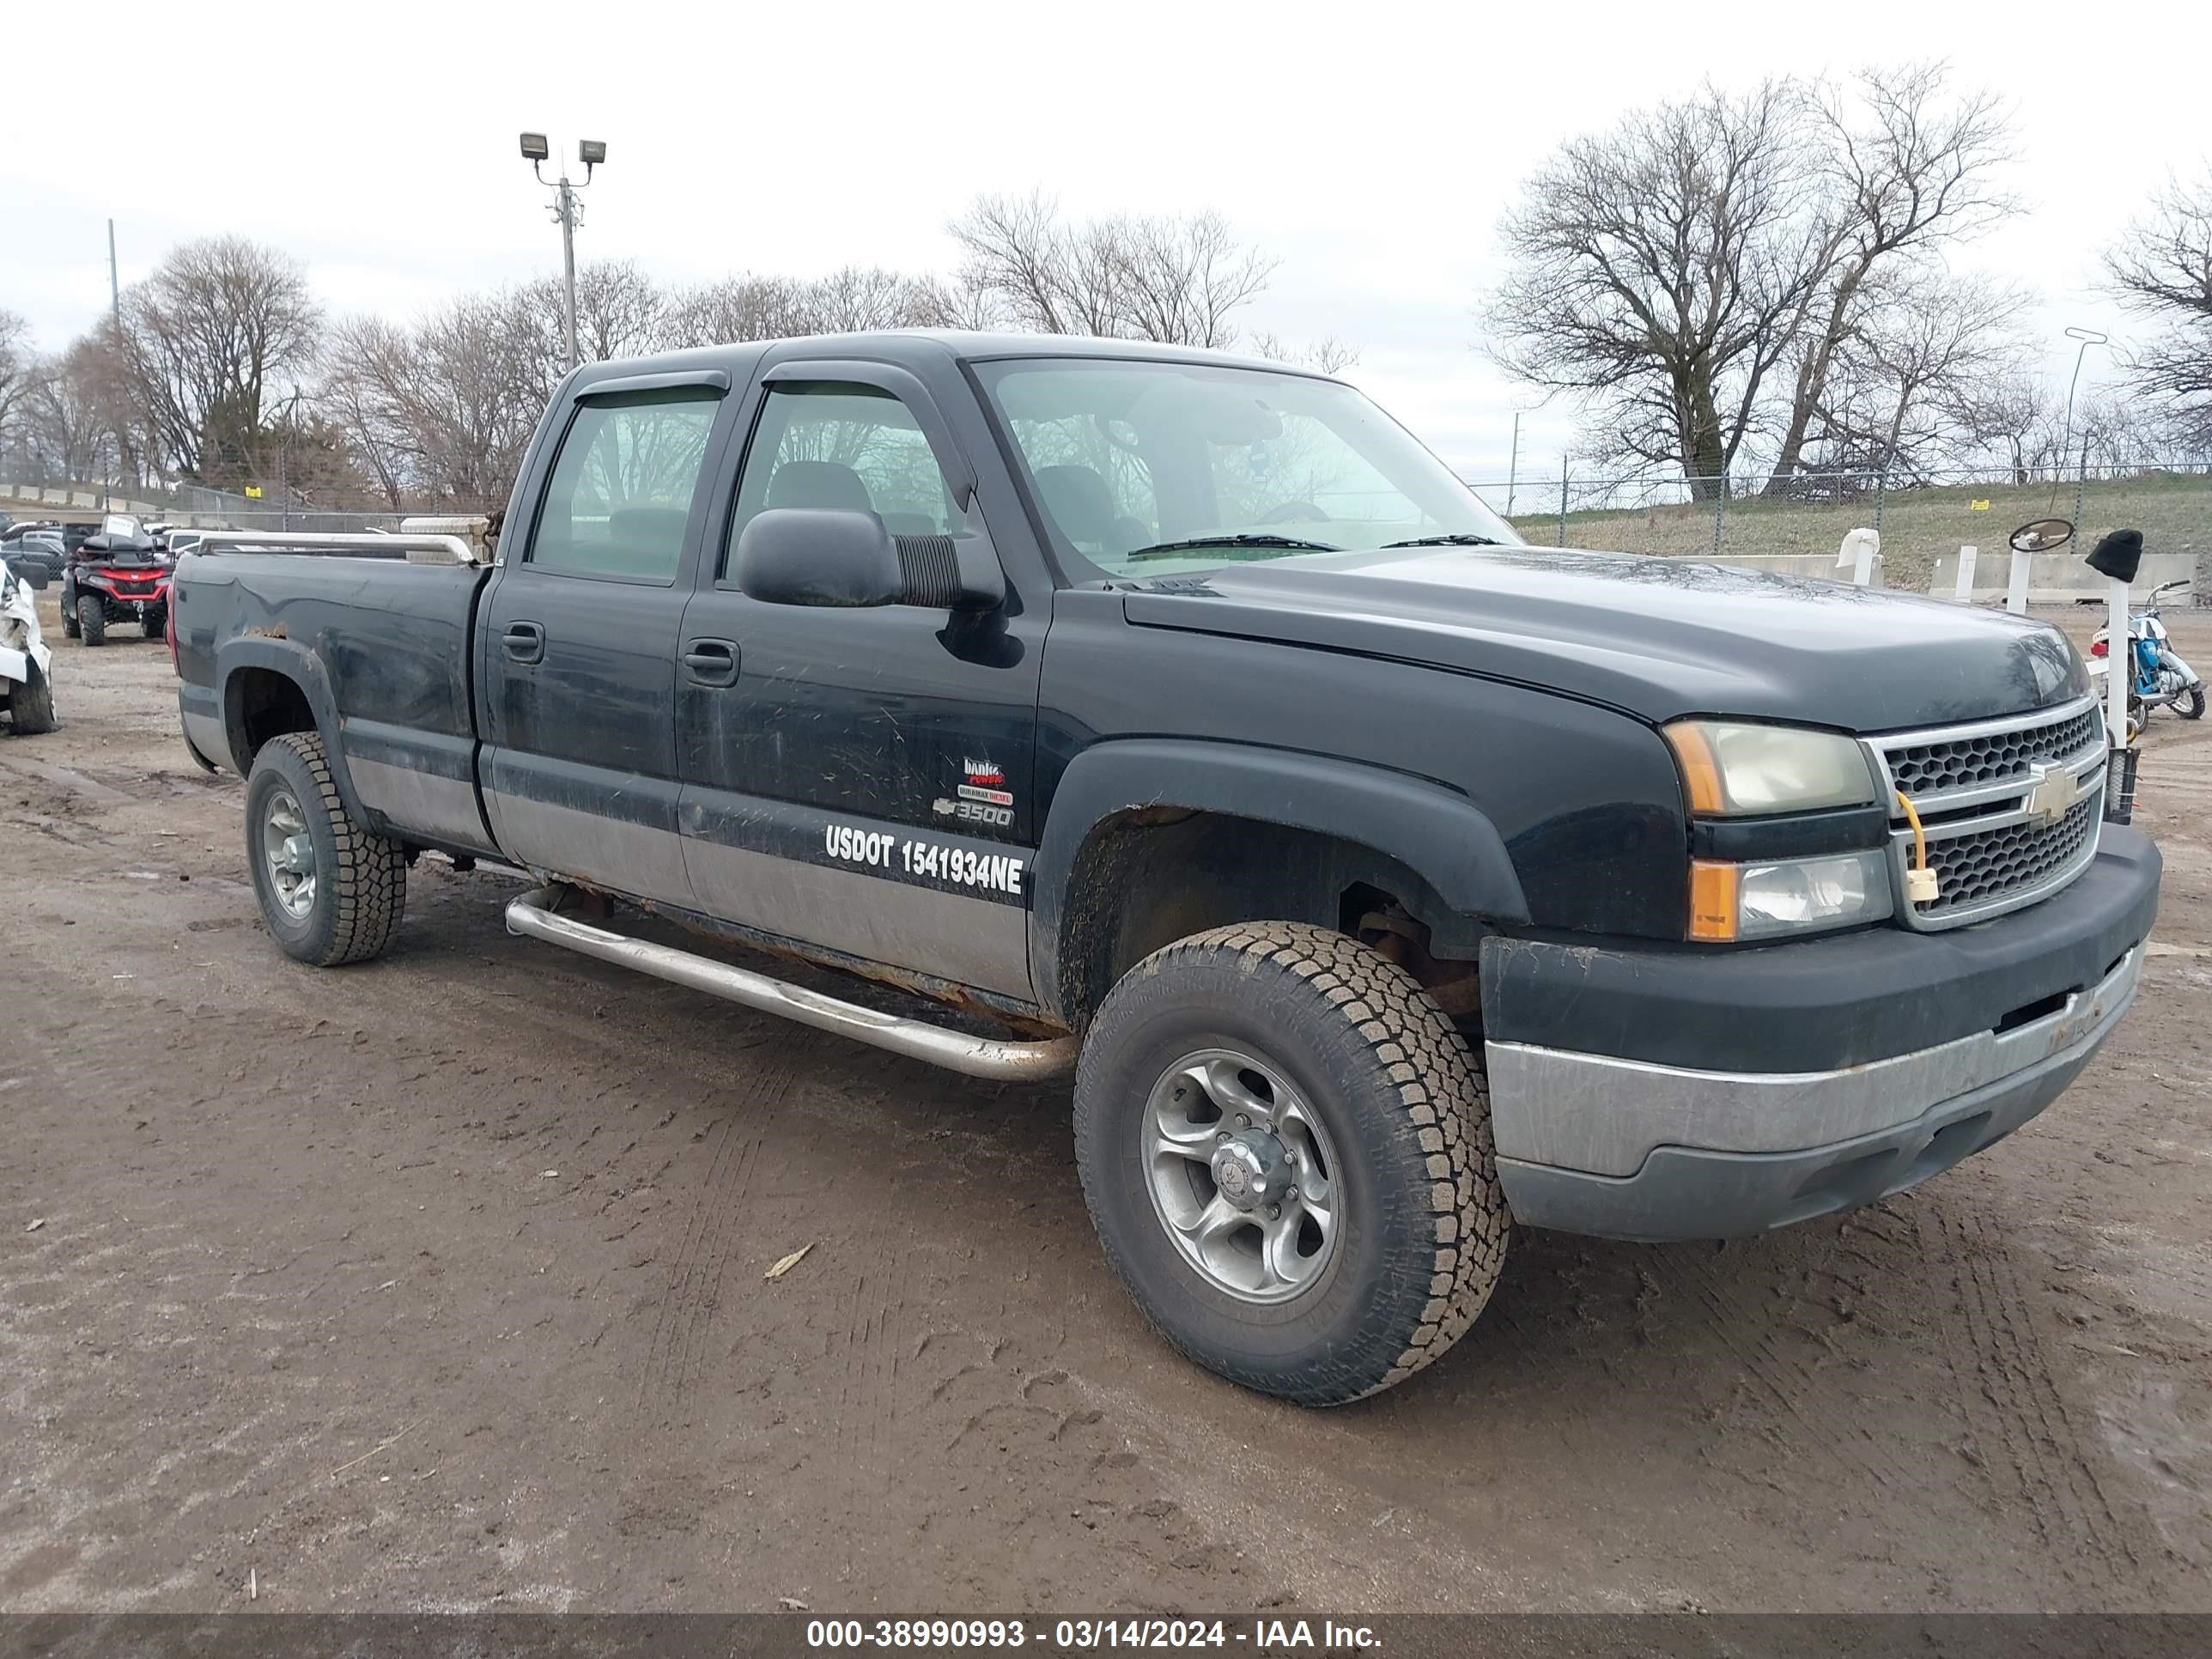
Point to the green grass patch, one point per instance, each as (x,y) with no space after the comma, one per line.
(2172,510)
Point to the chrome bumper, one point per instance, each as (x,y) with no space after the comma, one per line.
(1592,1144)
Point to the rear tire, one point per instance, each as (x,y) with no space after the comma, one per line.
(32,705)
(2191,704)
(91,619)
(1371,1122)
(69,617)
(151,624)
(355,883)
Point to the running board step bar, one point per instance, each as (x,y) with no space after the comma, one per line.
(533,916)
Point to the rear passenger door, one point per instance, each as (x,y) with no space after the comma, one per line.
(578,640)
(859,778)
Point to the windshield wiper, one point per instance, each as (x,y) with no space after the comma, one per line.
(1242,540)
(1457,538)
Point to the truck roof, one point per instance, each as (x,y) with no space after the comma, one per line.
(910,345)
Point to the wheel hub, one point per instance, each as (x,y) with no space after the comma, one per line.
(289,854)
(1240,1173)
(1252,1170)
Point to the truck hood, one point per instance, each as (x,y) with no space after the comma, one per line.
(1657,638)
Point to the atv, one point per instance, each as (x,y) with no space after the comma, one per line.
(118,575)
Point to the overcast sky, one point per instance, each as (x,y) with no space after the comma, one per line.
(1371,145)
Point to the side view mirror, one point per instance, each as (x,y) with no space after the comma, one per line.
(2043,536)
(843,558)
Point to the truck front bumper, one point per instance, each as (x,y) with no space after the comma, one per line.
(1720,1094)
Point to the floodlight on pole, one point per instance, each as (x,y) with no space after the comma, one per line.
(568,212)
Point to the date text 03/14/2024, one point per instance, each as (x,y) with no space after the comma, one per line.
(1263,1637)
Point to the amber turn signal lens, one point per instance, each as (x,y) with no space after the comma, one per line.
(1701,773)
(1712,898)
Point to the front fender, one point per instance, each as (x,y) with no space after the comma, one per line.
(1439,835)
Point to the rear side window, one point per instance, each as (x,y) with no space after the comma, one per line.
(622,487)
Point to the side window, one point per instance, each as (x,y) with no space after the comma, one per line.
(621,486)
(822,444)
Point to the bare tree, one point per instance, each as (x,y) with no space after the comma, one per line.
(1659,273)
(1326,356)
(18,372)
(620,311)
(216,341)
(70,416)
(1906,169)
(737,308)
(443,412)
(2164,272)
(81,418)
(1901,387)
(1180,281)
(856,298)
(2016,416)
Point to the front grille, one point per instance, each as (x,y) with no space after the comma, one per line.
(1987,758)
(1985,865)
(1976,790)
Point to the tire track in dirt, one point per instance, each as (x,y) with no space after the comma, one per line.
(2032,1452)
(677,1359)
(1752,1316)
(872,1330)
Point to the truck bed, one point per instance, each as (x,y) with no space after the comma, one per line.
(384,641)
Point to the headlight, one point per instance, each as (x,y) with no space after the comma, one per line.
(1782,896)
(1731,768)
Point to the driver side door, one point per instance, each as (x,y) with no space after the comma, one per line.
(857,779)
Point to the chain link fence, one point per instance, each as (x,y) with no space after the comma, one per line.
(190,506)
(1921,518)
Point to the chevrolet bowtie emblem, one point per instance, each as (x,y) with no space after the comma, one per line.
(2052,793)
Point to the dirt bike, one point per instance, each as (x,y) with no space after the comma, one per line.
(2160,678)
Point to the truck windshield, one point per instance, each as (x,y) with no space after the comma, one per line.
(1148,469)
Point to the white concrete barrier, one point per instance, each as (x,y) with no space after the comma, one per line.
(2060,578)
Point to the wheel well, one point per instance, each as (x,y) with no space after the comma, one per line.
(1150,876)
(261,704)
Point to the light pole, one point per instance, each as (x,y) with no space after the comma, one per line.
(2087,336)
(567,212)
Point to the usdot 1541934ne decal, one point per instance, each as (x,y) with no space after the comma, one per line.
(958,866)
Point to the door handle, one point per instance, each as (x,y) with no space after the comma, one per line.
(712,662)
(524,641)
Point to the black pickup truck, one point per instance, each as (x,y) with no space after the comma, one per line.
(1383,880)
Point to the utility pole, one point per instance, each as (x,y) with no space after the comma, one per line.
(1513,466)
(564,209)
(114,283)
(568,212)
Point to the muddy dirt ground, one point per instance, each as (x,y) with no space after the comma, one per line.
(438,1283)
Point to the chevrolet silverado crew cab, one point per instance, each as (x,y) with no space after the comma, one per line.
(1381,879)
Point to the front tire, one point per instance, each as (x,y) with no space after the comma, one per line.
(91,619)
(2191,704)
(32,705)
(331,892)
(152,623)
(1285,1148)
